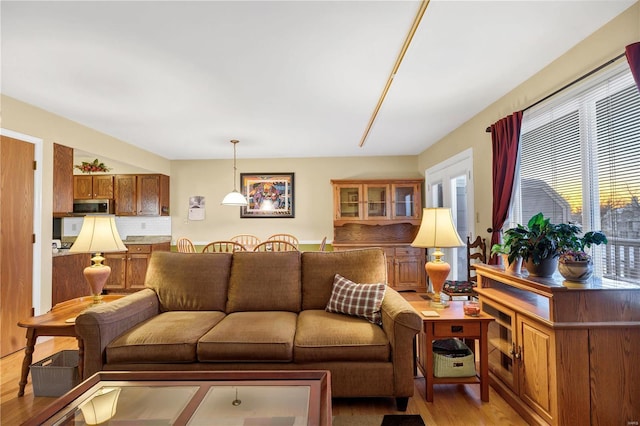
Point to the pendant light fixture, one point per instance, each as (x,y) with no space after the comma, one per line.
(234,198)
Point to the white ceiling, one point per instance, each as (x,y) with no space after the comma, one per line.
(286,78)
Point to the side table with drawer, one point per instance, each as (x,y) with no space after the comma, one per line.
(452,322)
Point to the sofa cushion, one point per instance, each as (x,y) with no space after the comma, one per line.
(324,336)
(164,338)
(189,281)
(250,337)
(360,300)
(265,281)
(319,269)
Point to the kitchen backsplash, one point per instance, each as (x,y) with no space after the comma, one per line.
(160,225)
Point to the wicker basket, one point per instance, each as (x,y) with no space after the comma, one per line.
(55,375)
(452,358)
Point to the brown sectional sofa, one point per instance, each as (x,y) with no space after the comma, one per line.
(257,311)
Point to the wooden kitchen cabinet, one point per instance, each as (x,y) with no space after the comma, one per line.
(129,269)
(563,354)
(62,180)
(142,195)
(86,187)
(387,214)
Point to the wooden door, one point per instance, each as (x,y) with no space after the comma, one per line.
(137,270)
(118,263)
(16,245)
(103,187)
(83,187)
(148,195)
(62,179)
(124,193)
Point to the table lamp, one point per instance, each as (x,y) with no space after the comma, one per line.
(98,235)
(437,231)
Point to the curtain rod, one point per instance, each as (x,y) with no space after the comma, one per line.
(566,86)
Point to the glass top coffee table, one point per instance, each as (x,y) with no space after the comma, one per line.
(195,398)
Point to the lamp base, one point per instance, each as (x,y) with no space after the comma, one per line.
(97,275)
(437,271)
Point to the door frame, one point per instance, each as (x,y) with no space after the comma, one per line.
(39,305)
(456,165)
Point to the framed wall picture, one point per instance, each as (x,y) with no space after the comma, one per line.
(268,194)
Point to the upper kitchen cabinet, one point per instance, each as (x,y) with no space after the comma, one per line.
(141,195)
(377,202)
(86,187)
(62,180)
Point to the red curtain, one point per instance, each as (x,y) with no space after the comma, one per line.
(633,57)
(505,135)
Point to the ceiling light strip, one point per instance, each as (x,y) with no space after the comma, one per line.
(405,47)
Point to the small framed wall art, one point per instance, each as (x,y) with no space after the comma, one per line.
(268,194)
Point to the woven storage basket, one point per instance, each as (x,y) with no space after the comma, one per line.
(452,358)
(55,375)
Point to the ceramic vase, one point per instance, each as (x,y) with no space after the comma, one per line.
(576,271)
(544,269)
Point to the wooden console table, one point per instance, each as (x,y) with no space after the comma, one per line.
(563,353)
(452,322)
(57,322)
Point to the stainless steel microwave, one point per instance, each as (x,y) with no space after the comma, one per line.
(81,207)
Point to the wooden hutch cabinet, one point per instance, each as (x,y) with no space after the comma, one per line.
(562,353)
(382,213)
(86,187)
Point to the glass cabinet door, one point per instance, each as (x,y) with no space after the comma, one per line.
(377,201)
(502,343)
(406,202)
(349,199)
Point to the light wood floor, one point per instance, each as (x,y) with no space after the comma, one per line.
(453,404)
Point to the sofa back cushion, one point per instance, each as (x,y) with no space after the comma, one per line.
(265,281)
(320,268)
(189,281)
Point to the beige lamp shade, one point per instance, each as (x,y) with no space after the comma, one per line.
(437,230)
(101,407)
(98,235)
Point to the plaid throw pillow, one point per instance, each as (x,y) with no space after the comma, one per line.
(360,300)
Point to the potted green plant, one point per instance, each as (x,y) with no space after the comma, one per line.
(537,243)
(542,245)
(503,249)
(574,263)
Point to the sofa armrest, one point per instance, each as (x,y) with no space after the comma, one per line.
(401,323)
(100,324)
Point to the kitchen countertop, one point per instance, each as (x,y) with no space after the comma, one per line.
(147,239)
(130,240)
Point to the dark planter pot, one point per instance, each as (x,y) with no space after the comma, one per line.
(545,269)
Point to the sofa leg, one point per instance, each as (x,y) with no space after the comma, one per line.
(401,403)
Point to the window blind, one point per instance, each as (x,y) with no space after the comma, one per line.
(579,161)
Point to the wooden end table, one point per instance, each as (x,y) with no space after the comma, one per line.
(452,322)
(59,321)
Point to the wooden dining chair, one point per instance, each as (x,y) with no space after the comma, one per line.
(275,245)
(185,245)
(223,247)
(476,253)
(285,237)
(249,241)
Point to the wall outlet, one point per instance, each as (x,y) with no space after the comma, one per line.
(74,227)
(143,225)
